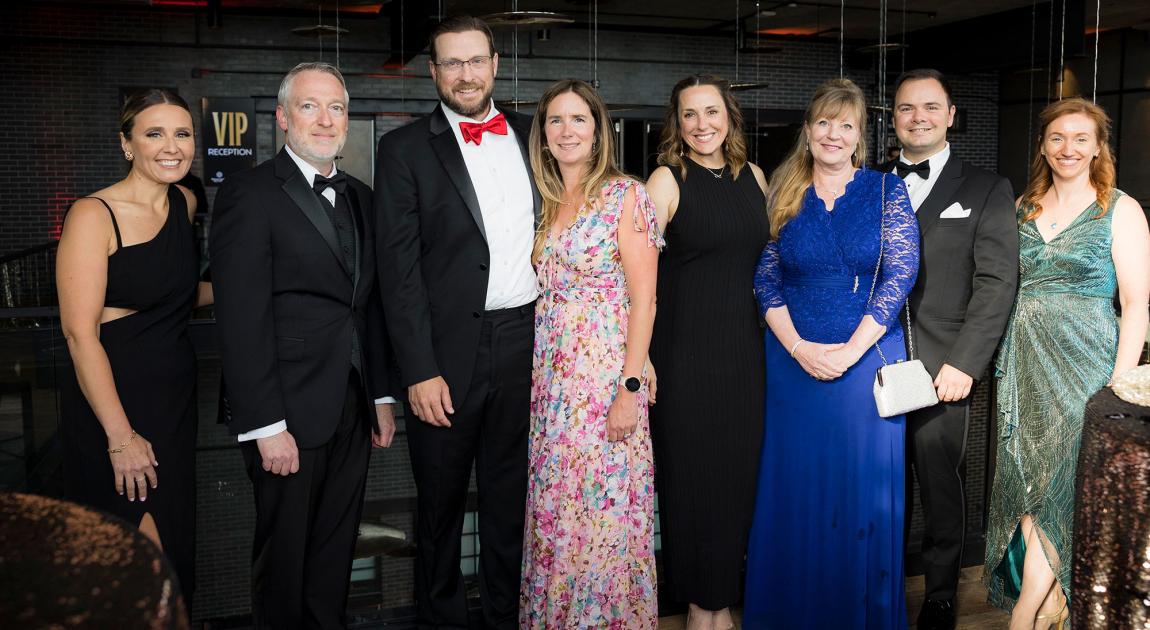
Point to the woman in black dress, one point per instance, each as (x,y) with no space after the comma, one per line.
(127,277)
(707,347)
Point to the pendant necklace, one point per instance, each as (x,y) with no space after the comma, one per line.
(718,175)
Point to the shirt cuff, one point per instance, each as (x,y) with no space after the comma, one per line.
(263,432)
(385,400)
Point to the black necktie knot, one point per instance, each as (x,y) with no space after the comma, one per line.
(922,168)
(337,181)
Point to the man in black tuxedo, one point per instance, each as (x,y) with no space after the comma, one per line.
(457,210)
(960,305)
(303,344)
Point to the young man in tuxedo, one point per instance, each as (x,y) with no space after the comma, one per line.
(457,211)
(304,352)
(959,307)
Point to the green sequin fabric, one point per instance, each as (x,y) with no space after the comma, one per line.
(1059,348)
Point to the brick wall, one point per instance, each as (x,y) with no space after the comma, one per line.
(67,66)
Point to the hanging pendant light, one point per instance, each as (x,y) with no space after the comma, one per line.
(883,47)
(526,18)
(319,31)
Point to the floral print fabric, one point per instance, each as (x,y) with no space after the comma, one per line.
(589,542)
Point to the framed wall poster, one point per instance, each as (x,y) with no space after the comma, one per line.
(229,137)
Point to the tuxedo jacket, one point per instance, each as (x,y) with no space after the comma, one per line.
(433,256)
(968,269)
(286,305)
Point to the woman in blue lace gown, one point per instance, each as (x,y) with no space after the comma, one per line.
(826,546)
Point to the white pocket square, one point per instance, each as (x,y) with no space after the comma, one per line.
(955,211)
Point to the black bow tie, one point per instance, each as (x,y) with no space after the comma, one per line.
(337,181)
(922,168)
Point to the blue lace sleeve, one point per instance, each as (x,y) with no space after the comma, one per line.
(769,279)
(899,253)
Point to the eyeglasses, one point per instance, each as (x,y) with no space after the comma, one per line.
(453,66)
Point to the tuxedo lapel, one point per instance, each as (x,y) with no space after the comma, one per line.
(308,203)
(352,198)
(447,150)
(941,195)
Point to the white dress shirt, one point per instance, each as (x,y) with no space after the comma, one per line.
(919,188)
(309,173)
(503,186)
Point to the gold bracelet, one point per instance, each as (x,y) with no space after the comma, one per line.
(796,346)
(121,448)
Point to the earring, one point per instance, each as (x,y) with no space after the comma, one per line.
(808,148)
(128,155)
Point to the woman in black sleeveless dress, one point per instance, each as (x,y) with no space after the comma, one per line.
(707,349)
(127,277)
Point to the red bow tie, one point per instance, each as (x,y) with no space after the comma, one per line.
(473,132)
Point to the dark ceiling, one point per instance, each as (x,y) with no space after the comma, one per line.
(860,18)
(966,35)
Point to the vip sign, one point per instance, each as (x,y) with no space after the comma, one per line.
(230,138)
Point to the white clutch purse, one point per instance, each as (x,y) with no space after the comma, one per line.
(903,386)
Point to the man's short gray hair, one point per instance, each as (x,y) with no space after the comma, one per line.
(308,66)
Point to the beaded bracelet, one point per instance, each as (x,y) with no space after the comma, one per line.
(121,448)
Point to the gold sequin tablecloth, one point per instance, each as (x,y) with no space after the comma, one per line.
(65,566)
(1111,575)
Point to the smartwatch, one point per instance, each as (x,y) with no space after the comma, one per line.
(631,383)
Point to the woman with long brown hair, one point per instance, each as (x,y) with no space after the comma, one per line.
(826,546)
(589,539)
(1080,240)
(707,347)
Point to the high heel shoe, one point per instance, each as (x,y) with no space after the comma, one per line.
(1057,620)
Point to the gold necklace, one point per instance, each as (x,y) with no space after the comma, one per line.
(834,193)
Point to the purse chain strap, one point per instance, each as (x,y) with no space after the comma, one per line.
(874,280)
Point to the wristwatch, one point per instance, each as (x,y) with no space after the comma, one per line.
(631,383)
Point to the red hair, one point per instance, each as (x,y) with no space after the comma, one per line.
(1101,168)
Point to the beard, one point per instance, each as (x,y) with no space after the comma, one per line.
(447,95)
(304,147)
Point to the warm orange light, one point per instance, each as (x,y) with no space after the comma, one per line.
(362,8)
(791,30)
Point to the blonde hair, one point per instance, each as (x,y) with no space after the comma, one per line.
(790,180)
(671,149)
(1101,168)
(601,166)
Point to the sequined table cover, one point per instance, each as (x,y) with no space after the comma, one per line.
(1111,575)
(65,566)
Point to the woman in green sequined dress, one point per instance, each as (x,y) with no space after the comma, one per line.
(1080,240)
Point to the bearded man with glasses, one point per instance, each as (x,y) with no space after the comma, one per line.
(457,214)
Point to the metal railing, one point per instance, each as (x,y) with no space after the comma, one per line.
(28,286)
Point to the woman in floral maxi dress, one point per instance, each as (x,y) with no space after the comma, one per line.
(589,545)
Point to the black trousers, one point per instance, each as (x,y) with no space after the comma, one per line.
(307,523)
(936,441)
(489,430)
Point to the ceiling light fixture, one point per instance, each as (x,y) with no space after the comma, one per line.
(526,18)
